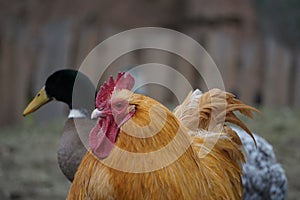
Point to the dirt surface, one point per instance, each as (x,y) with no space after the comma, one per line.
(29,169)
(28,164)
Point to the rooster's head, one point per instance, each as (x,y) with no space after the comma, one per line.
(113,110)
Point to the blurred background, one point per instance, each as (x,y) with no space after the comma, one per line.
(255,44)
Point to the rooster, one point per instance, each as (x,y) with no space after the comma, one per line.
(141,150)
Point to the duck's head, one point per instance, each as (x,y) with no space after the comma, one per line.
(59,86)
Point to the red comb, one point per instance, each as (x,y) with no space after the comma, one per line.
(121,82)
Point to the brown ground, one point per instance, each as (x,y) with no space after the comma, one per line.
(29,170)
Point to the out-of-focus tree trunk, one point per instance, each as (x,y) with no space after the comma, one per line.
(54,51)
(14,73)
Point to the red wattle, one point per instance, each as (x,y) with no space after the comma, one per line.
(102,138)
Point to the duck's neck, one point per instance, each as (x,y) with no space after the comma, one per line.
(77,113)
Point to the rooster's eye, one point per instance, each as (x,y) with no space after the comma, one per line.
(119,105)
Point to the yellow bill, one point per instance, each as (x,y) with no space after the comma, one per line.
(40,99)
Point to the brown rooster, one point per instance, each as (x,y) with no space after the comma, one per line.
(141,150)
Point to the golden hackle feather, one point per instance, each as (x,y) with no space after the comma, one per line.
(172,153)
(222,165)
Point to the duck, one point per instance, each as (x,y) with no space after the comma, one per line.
(59,87)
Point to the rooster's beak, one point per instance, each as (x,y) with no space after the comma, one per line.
(97,113)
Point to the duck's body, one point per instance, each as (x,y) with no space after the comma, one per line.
(71,149)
